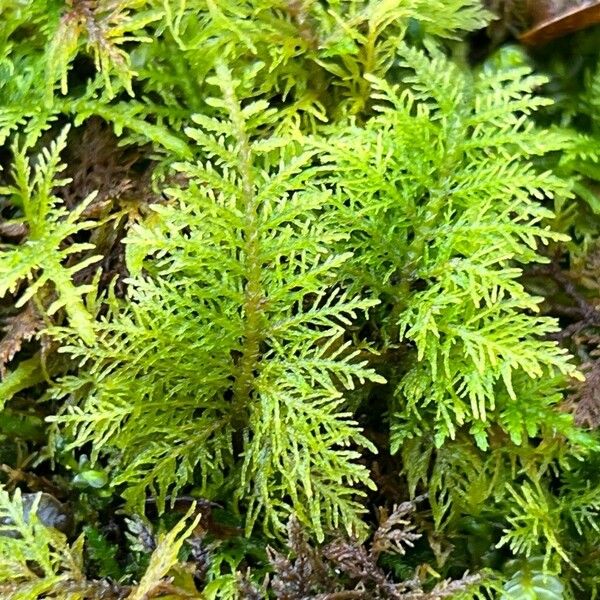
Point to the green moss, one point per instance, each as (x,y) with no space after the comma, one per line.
(296,260)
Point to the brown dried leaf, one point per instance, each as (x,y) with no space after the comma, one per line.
(575,16)
(247,590)
(360,566)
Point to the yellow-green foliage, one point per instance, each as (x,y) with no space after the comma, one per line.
(41,259)
(38,562)
(247,249)
(330,260)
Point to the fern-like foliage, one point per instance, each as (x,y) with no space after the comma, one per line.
(300,48)
(37,561)
(448,162)
(536,516)
(443,166)
(236,274)
(24,30)
(41,260)
(348,202)
(581,157)
(309,57)
(106,27)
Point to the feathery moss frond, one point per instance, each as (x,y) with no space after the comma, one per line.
(40,260)
(236,270)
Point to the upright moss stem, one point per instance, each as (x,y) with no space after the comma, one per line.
(253,292)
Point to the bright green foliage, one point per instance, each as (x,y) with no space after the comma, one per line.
(535,516)
(35,560)
(286,49)
(332,224)
(107,26)
(423,214)
(238,272)
(41,259)
(24,28)
(297,48)
(55,34)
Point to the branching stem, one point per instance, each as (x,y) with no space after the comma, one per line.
(253,293)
